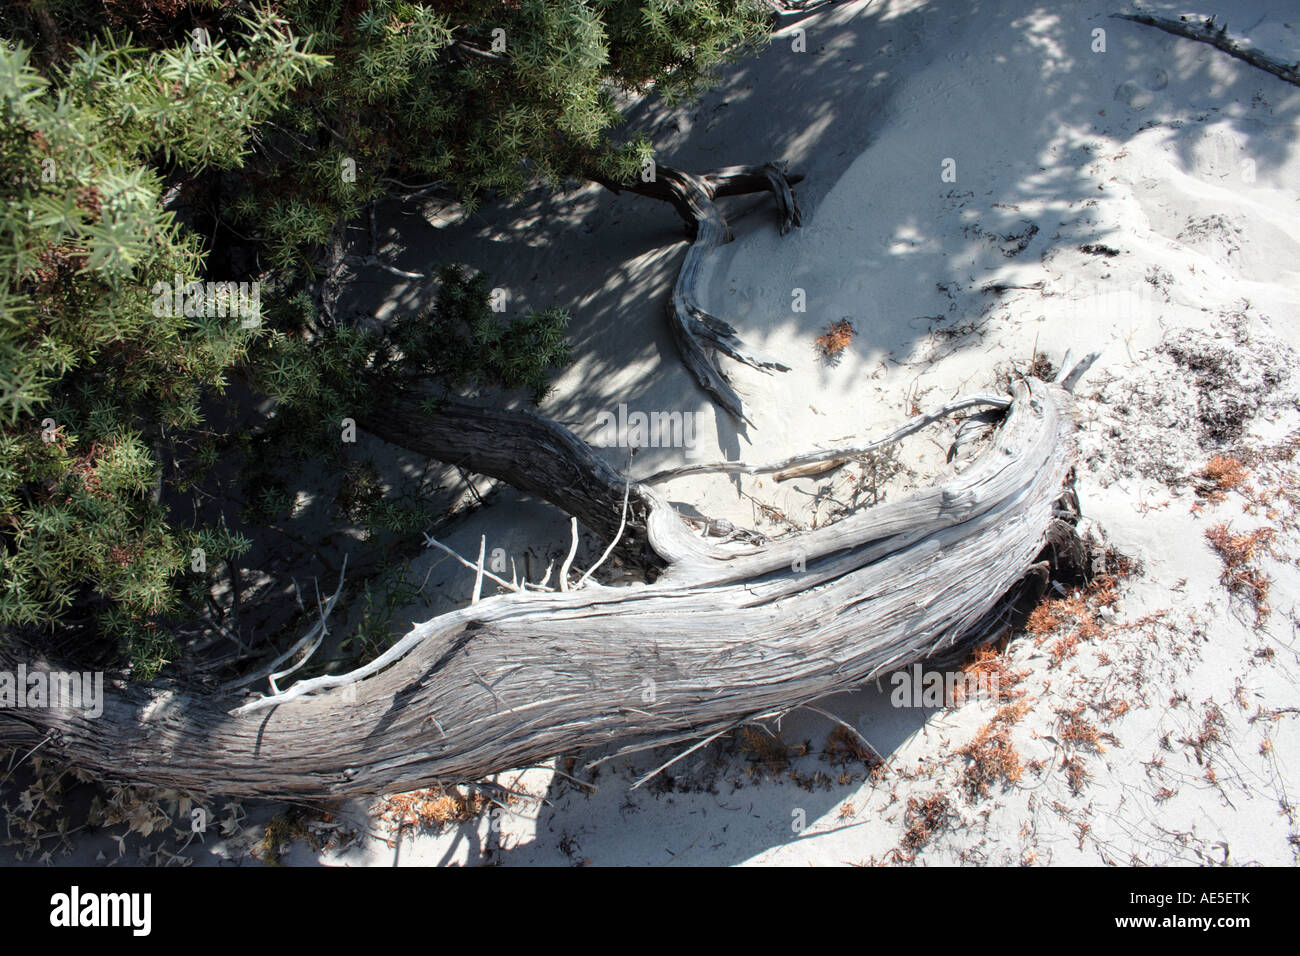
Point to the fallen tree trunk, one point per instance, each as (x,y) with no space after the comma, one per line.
(1204,31)
(725,635)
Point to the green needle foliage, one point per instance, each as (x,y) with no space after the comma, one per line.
(349,372)
(148,144)
(480,95)
(91,380)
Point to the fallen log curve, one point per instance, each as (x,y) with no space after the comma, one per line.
(727,633)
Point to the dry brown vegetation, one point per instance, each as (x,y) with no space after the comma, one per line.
(44,803)
(768,751)
(924,819)
(282,831)
(1208,734)
(1042,368)
(1077,731)
(844,747)
(991,759)
(432,808)
(1077,616)
(1221,475)
(1241,575)
(835,339)
(1113,709)
(1275,493)
(1076,774)
(991,669)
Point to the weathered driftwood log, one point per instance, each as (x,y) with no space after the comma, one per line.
(1204,31)
(724,635)
(695,330)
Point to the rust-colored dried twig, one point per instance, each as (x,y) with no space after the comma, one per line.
(835,339)
(1240,573)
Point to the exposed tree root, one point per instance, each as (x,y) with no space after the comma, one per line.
(695,330)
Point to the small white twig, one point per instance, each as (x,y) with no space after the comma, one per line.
(847,726)
(622,523)
(431,541)
(380,264)
(1070,375)
(573,549)
(848,451)
(684,753)
(478,571)
(320,639)
(541,586)
(317,632)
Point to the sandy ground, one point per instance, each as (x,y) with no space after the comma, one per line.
(1155,722)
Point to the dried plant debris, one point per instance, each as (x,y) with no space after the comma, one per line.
(1202,397)
(1011,244)
(991,760)
(1215,231)
(1099,249)
(1208,734)
(1233,381)
(767,751)
(1241,572)
(845,748)
(925,818)
(989,669)
(1080,613)
(1222,474)
(433,808)
(1076,774)
(44,804)
(832,343)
